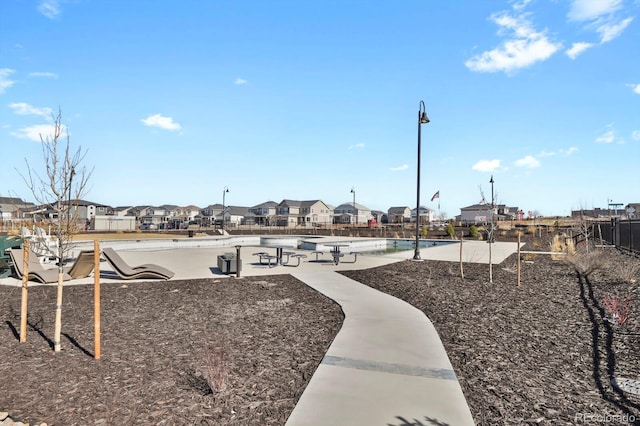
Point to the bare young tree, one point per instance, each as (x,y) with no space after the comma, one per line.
(491,227)
(59,189)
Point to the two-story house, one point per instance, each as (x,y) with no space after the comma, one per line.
(399,214)
(264,213)
(352,213)
(427,215)
(303,213)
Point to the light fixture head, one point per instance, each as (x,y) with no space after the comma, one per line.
(423,118)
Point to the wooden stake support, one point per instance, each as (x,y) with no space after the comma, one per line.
(96,299)
(518,259)
(25,292)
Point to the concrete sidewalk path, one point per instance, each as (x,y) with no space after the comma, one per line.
(386,366)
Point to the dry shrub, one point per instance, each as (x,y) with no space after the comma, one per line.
(531,229)
(587,263)
(627,273)
(529,256)
(561,244)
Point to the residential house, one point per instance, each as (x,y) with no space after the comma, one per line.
(11,208)
(352,213)
(152,217)
(379,216)
(427,215)
(236,215)
(632,210)
(399,214)
(211,214)
(509,213)
(311,213)
(264,213)
(476,214)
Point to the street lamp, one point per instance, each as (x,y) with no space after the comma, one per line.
(224,193)
(422,119)
(355,210)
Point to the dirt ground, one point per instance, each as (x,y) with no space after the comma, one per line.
(240,352)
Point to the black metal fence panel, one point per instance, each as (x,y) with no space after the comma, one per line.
(621,233)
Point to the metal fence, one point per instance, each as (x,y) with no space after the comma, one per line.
(621,233)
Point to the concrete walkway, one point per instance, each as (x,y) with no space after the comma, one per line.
(386,366)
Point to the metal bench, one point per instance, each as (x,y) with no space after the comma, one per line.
(287,254)
(264,255)
(299,257)
(317,253)
(355,255)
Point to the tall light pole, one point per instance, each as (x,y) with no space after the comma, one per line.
(224,193)
(422,119)
(355,210)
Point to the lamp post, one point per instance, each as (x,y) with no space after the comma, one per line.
(355,210)
(422,119)
(224,193)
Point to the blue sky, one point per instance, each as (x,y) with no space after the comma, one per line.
(176,100)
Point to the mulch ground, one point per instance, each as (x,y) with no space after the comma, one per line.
(541,353)
(225,351)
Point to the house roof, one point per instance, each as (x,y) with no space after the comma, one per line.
(265,204)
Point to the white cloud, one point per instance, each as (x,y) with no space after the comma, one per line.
(34,132)
(486,165)
(600,15)
(587,10)
(529,162)
(569,151)
(239,81)
(525,46)
(546,154)
(43,74)
(358,145)
(635,88)
(22,108)
(635,135)
(608,137)
(400,168)
(5,82)
(49,8)
(577,49)
(162,122)
(610,30)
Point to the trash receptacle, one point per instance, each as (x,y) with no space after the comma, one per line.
(227,263)
(190,232)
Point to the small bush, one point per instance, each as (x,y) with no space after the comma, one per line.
(586,264)
(451,230)
(562,245)
(473,231)
(618,308)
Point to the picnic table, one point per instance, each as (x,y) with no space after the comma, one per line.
(281,253)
